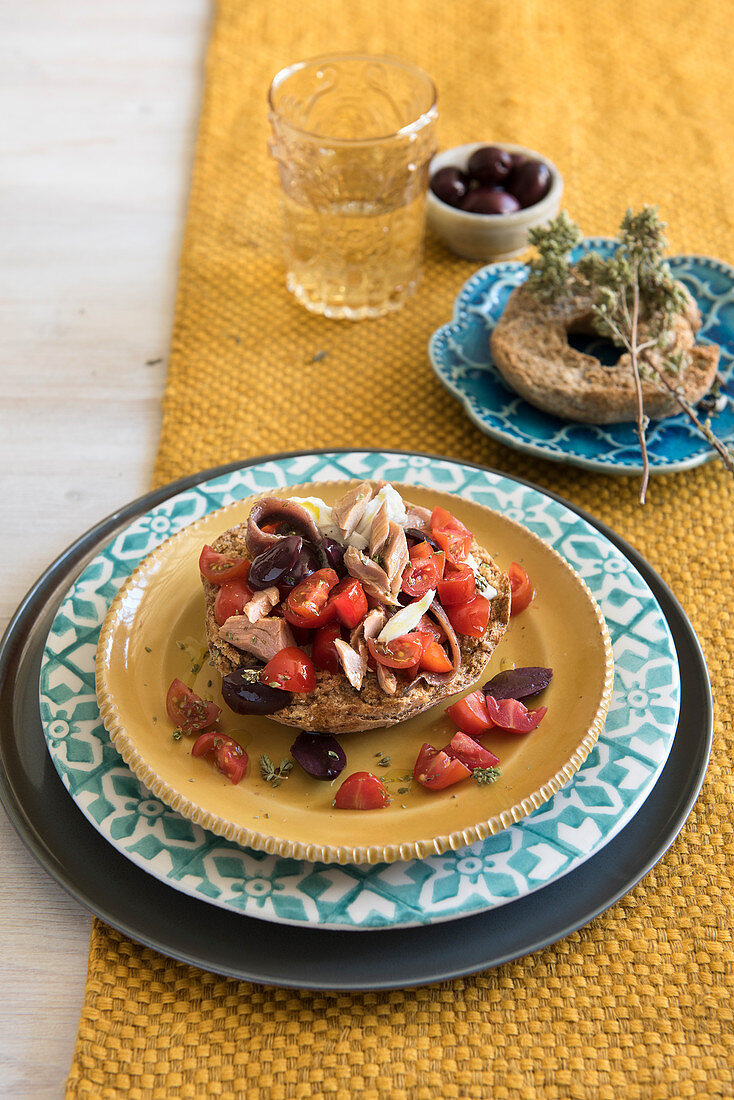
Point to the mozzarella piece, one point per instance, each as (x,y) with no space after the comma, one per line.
(318,508)
(406,619)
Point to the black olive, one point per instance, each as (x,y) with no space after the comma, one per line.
(247,696)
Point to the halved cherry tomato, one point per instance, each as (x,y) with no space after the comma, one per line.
(457,587)
(451,535)
(402,652)
(470,618)
(470,714)
(361,791)
(512,715)
(218,568)
(231,599)
(306,605)
(422,572)
(187,710)
(205,743)
(290,669)
(423,550)
(323,653)
(419,577)
(229,756)
(435,658)
(347,602)
(522,592)
(231,759)
(471,754)
(436,770)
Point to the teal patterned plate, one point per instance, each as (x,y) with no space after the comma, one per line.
(575,824)
(460,356)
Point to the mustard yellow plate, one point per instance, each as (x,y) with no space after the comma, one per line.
(154,632)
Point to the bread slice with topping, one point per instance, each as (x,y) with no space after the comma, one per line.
(335,706)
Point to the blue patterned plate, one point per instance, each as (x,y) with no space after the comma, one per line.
(460,356)
(576,823)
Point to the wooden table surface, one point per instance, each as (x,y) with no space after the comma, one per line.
(99,104)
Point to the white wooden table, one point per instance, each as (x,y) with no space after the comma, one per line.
(98,109)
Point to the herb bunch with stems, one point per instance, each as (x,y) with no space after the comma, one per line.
(634,302)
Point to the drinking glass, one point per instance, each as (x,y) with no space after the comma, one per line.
(353,136)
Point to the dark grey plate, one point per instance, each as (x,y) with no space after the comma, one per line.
(192,931)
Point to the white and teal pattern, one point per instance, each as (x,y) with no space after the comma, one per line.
(602,797)
(460,356)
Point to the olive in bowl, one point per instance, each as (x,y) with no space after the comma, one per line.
(503,190)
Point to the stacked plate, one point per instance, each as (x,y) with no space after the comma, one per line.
(259,914)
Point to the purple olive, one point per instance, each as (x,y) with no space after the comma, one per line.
(309,559)
(487,200)
(530,182)
(319,754)
(449,185)
(335,555)
(489,165)
(270,567)
(247,696)
(421,536)
(518,683)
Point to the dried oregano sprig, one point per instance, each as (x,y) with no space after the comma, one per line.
(635,299)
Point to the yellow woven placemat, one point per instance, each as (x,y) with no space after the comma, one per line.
(633,102)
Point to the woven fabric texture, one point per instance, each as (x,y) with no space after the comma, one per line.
(633,103)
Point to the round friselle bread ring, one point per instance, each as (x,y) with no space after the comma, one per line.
(531,350)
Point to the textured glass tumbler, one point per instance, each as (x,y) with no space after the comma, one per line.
(353,136)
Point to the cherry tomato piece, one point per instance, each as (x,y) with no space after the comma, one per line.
(204,743)
(290,669)
(470,714)
(435,658)
(306,605)
(219,568)
(418,578)
(451,535)
(231,599)
(512,715)
(522,592)
(229,756)
(231,759)
(323,653)
(436,770)
(423,571)
(187,710)
(361,791)
(422,551)
(402,652)
(471,754)
(470,618)
(457,587)
(347,602)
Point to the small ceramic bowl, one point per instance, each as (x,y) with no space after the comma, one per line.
(489,236)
